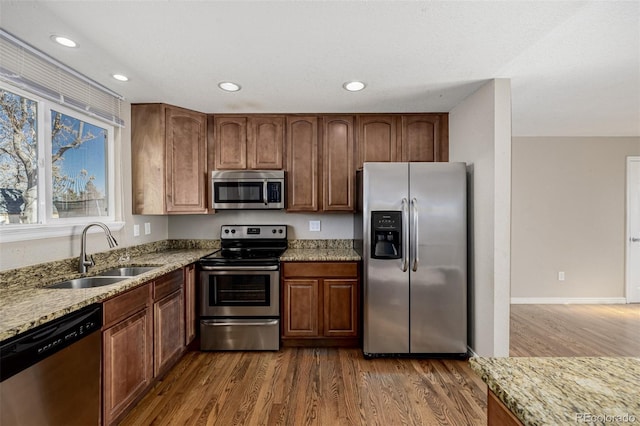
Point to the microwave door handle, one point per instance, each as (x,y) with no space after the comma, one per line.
(265,193)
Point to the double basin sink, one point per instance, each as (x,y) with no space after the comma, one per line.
(108,277)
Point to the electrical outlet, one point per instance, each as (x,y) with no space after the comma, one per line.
(314,225)
(147,228)
(561,276)
(136,230)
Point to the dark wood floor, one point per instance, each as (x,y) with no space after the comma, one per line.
(308,386)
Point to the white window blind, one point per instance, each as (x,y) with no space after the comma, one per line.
(32,70)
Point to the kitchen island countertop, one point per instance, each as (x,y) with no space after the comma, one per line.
(556,391)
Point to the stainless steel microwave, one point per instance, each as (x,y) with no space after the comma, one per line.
(247,189)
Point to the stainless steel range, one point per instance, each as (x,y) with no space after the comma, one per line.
(240,297)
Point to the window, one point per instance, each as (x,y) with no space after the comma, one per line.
(56,165)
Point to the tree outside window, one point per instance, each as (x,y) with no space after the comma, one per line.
(78,184)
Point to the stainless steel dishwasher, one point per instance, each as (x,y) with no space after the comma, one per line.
(51,375)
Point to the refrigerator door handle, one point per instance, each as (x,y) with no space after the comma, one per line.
(405,237)
(415,243)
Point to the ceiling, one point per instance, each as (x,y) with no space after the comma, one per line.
(574,65)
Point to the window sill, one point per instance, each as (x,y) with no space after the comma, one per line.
(9,234)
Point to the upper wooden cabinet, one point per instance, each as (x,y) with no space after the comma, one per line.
(302,164)
(168,159)
(402,137)
(338,173)
(248,142)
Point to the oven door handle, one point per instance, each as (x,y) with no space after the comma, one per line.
(239,268)
(220,323)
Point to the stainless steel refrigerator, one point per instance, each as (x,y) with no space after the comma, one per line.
(411,230)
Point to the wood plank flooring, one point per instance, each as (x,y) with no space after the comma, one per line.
(336,386)
(575,330)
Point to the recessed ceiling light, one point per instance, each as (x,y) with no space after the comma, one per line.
(354,86)
(229,86)
(120,77)
(64,41)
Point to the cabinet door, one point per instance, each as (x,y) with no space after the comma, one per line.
(302,164)
(168,342)
(127,368)
(300,313)
(340,307)
(189,303)
(185,161)
(338,167)
(264,143)
(420,137)
(230,139)
(377,138)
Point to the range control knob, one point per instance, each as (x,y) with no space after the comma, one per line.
(226,231)
(280,231)
(273,231)
(233,231)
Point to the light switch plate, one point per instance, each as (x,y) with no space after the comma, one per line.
(147,228)
(314,225)
(136,230)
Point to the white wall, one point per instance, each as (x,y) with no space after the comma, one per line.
(480,135)
(31,252)
(332,226)
(569,215)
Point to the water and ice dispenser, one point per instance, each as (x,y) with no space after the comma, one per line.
(386,234)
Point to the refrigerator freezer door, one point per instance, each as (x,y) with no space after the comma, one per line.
(438,304)
(386,285)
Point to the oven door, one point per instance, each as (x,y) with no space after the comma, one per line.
(240,291)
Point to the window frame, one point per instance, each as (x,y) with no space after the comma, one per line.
(47,226)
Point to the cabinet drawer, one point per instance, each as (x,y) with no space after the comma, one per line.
(320,269)
(167,284)
(125,304)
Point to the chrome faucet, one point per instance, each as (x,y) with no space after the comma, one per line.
(87,261)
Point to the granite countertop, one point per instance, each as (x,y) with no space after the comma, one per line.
(26,303)
(320,255)
(555,391)
(320,251)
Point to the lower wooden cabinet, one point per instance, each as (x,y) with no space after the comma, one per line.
(168,321)
(190,313)
(127,344)
(142,338)
(498,414)
(320,303)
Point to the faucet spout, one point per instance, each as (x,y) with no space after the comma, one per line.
(86,261)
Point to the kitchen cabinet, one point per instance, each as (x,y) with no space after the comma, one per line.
(127,350)
(168,160)
(302,164)
(402,137)
(338,173)
(253,142)
(143,337)
(320,303)
(168,316)
(317,182)
(498,414)
(190,313)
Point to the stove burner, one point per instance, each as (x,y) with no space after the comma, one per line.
(249,245)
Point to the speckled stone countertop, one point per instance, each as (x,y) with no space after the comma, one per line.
(26,303)
(320,251)
(562,391)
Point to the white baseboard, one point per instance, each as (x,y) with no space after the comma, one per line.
(568,300)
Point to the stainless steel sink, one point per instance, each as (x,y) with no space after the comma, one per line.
(88,282)
(130,271)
